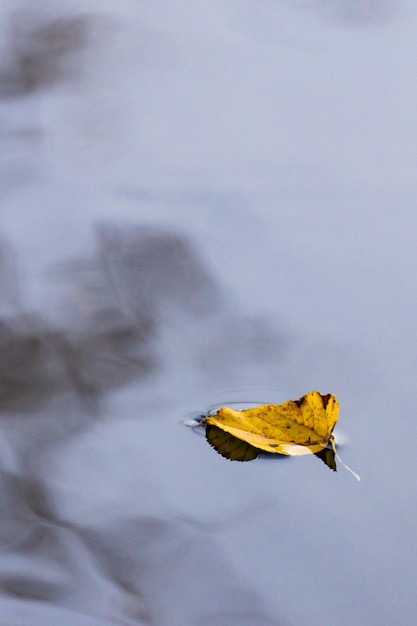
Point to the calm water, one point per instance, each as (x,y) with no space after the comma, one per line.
(200,204)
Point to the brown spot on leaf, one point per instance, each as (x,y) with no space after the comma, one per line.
(326,399)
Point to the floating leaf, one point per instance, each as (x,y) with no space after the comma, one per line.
(295,427)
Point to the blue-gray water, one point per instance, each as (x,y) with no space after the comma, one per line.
(205,203)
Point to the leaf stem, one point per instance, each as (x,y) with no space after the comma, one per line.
(358,478)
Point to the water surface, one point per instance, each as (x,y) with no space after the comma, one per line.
(199,205)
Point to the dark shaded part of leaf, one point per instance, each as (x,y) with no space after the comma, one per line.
(230,447)
(328,457)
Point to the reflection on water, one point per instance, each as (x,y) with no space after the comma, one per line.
(148,268)
(358,12)
(371,12)
(37,51)
(53,381)
(113,305)
(230,447)
(135,572)
(119,310)
(204,202)
(46,560)
(235,449)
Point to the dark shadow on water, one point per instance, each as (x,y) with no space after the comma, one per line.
(39,50)
(46,560)
(148,566)
(112,307)
(54,378)
(357,13)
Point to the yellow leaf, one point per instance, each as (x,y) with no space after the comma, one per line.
(295,427)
